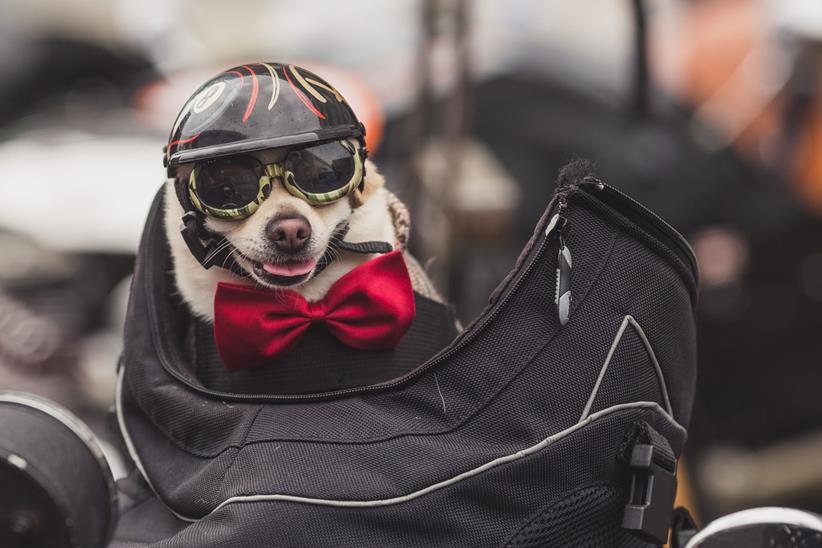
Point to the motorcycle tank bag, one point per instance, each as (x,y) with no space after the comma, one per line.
(555,419)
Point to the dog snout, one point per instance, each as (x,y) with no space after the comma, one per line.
(289,234)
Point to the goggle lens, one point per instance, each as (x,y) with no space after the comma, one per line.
(229,183)
(321,169)
(233,187)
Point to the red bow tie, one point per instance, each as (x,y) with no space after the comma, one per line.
(370,308)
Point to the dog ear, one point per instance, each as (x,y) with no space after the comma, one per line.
(372,182)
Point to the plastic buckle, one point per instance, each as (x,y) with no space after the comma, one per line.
(653,489)
(189,230)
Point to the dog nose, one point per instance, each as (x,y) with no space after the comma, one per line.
(289,233)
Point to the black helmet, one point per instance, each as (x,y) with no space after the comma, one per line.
(248,109)
(255,107)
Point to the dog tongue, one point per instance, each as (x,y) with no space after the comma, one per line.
(293,268)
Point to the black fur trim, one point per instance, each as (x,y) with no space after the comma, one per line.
(572,173)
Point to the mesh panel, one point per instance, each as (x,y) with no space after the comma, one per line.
(589,517)
(519,380)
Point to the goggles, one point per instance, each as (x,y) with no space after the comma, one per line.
(234,187)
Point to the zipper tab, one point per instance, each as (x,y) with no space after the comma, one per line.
(562,291)
(555,226)
(648,220)
(562,295)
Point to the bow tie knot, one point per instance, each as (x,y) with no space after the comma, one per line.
(317,311)
(370,308)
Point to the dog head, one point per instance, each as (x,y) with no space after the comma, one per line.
(280,245)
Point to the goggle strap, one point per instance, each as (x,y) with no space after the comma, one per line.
(194,233)
(338,242)
(366,247)
(190,232)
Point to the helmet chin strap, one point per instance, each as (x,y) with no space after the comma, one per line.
(338,243)
(208,248)
(211,249)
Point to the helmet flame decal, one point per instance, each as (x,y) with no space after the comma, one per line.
(182,141)
(326,87)
(255,89)
(275,83)
(225,115)
(308,87)
(302,96)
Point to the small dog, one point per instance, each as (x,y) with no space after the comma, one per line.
(280,244)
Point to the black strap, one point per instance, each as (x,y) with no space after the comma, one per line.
(652,463)
(643,433)
(683,528)
(212,249)
(337,243)
(366,247)
(208,248)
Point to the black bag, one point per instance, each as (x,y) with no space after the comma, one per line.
(522,432)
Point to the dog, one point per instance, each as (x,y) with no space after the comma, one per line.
(269,262)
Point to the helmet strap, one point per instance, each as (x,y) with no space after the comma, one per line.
(207,247)
(210,249)
(337,242)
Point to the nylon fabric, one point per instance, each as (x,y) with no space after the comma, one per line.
(511,380)
(587,518)
(486,510)
(630,361)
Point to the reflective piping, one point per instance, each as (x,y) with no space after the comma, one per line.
(460,477)
(404,498)
(629,320)
(118,406)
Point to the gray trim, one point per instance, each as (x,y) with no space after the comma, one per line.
(460,477)
(403,498)
(629,320)
(132,451)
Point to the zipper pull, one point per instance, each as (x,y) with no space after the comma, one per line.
(562,297)
(562,291)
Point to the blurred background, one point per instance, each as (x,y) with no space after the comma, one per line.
(709,112)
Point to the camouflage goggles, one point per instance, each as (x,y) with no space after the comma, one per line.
(234,187)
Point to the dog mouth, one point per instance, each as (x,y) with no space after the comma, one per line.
(284,273)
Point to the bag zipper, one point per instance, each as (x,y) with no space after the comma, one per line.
(547,236)
(554,231)
(681,248)
(562,288)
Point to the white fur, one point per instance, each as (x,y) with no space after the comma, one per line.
(371,221)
